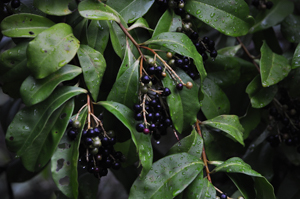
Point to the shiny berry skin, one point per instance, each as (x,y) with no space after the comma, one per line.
(108,163)
(146,131)
(179,11)
(145,79)
(192,75)
(84,133)
(116,166)
(138,116)
(223,196)
(194,36)
(179,86)
(166,91)
(289,142)
(15,3)
(157,116)
(76,124)
(269,5)
(112,141)
(213,53)
(152,127)
(205,40)
(150,117)
(72,134)
(185,67)
(158,71)
(105,141)
(168,122)
(151,70)
(88,141)
(91,133)
(140,127)
(137,108)
(179,62)
(211,45)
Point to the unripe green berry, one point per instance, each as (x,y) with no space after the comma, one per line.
(144,89)
(96,143)
(188,17)
(149,85)
(172,4)
(169,55)
(76,124)
(151,61)
(94,151)
(179,29)
(186,27)
(171,62)
(111,133)
(181,5)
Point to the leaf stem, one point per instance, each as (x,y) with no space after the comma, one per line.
(203,152)
(249,55)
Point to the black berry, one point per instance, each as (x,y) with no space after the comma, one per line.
(140,127)
(15,3)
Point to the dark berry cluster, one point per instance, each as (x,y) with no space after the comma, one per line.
(176,5)
(262,4)
(6,5)
(96,151)
(284,116)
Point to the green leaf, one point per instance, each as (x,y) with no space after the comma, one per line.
(98,35)
(192,144)
(292,83)
(215,101)
(264,189)
(25,25)
(118,38)
(229,124)
(168,177)
(260,96)
(126,87)
(244,183)
(168,22)
(13,63)
(55,7)
(289,28)
(96,10)
(51,50)
(88,186)
(140,23)
(230,18)
(230,50)
(269,18)
(30,121)
(93,66)
(34,91)
(180,43)
(131,10)
(184,104)
(250,120)
(65,159)
(296,58)
(128,60)
(141,141)
(200,188)
(273,67)
(224,70)
(236,165)
(41,150)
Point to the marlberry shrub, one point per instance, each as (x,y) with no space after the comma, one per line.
(169,98)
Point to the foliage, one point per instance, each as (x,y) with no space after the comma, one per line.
(91,85)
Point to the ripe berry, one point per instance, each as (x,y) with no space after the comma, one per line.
(269,5)
(91,133)
(192,75)
(88,141)
(108,163)
(211,45)
(179,86)
(158,70)
(137,108)
(152,127)
(15,3)
(157,116)
(185,67)
(204,56)
(151,70)
(72,134)
(116,166)
(140,127)
(168,122)
(179,62)
(205,40)
(118,155)
(289,142)
(213,53)
(138,116)
(186,60)
(194,35)
(112,141)
(149,117)
(166,91)
(179,11)
(105,141)
(84,133)
(223,196)
(145,79)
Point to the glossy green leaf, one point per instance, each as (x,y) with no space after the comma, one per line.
(131,10)
(34,90)
(118,38)
(128,60)
(296,58)
(215,101)
(41,150)
(55,7)
(229,124)
(230,50)
(250,120)
(97,10)
(180,43)
(30,121)
(290,28)
(168,177)
(271,17)
(192,144)
(140,23)
(184,104)
(230,18)
(260,96)
(51,50)
(93,66)
(141,141)
(236,165)
(13,63)
(264,188)
(168,22)
(244,183)
(98,35)
(126,87)
(25,25)
(80,31)
(65,159)
(200,188)
(88,186)
(273,67)
(224,70)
